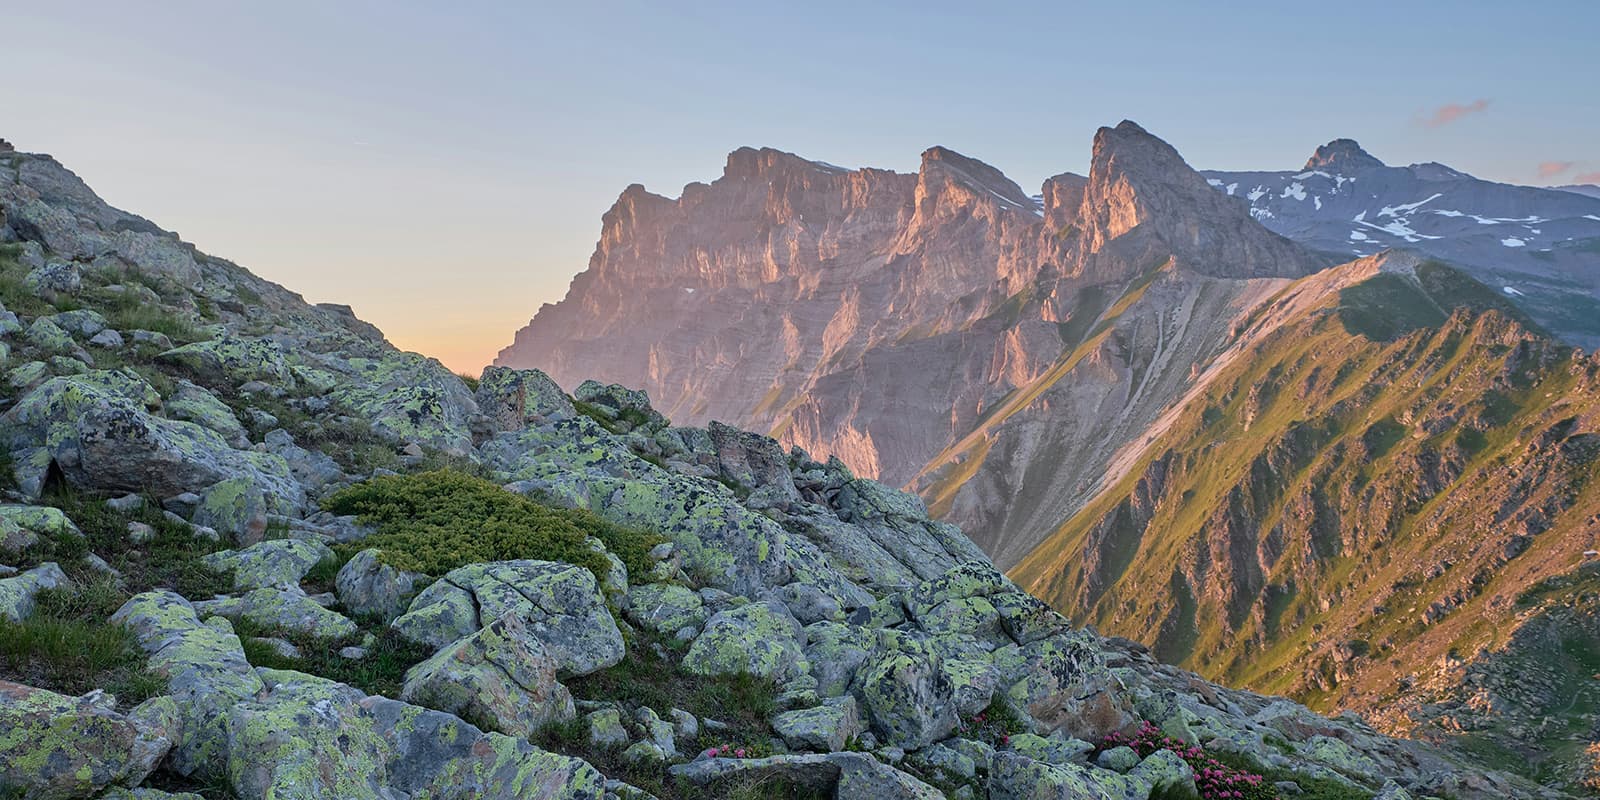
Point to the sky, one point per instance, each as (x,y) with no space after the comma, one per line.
(443,167)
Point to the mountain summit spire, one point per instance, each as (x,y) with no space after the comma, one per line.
(1342,154)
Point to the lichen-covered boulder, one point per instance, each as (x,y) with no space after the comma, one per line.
(760,639)
(235,360)
(828,727)
(277,564)
(96,429)
(843,776)
(723,544)
(289,609)
(17,593)
(1051,750)
(665,607)
(560,603)
(55,277)
(606,728)
(236,508)
(204,667)
(908,697)
(628,408)
(366,585)
(835,652)
(752,460)
(1062,683)
(513,399)
(438,756)
(305,738)
(407,397)
(500,679)
(194,404)
(48,336)
(54,746)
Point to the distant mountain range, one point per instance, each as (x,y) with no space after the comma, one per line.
(1226,414)
(1535,245)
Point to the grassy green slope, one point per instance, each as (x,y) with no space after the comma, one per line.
(1359,499)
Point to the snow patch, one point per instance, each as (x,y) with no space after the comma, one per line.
(1395,211)
(1513,242)
(1256,193)
(1585,216)
(1235,185)
(689,290)
(1357,236)
(1214,182)
(1296,190)
(1318,201)
(1513,292)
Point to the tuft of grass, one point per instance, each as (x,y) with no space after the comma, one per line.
(69,646)
(433,522)
(381,671)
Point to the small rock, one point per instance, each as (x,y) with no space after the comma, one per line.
(107,338)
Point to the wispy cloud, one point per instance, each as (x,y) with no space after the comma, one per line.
(1550,169)
(1446,114)
(1587,177)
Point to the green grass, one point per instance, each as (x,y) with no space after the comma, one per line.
(651,675)
(433,522)
(69,646)
(381,671)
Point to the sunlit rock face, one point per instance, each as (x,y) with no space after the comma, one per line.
(888,319)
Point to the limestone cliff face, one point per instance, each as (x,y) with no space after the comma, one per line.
(908,324)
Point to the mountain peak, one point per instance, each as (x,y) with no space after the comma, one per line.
(5,146)
(750,162)
(972,172)
(1342,154)
(1138,181)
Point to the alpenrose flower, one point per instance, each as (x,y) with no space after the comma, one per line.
(1213,779)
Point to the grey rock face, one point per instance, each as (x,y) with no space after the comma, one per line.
(205,670)
(368,586)
(17,593)
(57,748)
(499,679)
(560,603)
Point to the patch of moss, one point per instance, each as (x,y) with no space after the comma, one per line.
(433,522)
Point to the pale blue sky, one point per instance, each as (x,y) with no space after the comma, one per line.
(443,167)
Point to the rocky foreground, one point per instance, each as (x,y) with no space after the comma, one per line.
(188,610)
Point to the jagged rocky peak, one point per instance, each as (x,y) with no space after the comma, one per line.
(765,162)
(1342,156)
(1063,195)
(1138,181)
(5,147)
(942,163)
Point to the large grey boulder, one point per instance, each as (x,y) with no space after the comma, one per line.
(513,399)
(909,698)
(500,679)
(97,429)
(828,727)
(17,593)
(366,585)
(304,738)
(288,609)
(561,604)
(437,756)
(845,776)
(204,667)
(54,747)
(1062,683)
(274,564)
(665,608)
(760,639)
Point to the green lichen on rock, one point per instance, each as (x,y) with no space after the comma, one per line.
(759,639)
(235,360)
(55,747)
(500,679)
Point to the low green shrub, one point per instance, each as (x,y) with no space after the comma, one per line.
(433,522)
